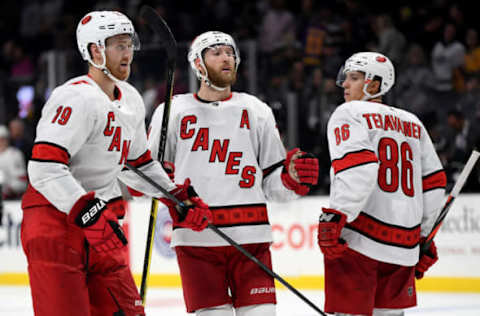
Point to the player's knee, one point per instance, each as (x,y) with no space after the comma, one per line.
(256,310)
(222,310)
(387,312)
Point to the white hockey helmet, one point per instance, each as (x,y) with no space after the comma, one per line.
(207,40)
(96,26)
(372,65)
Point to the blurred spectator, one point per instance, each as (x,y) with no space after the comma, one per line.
(275,94)
(472,56)
(356,27)
(460,137)
(469,103)
(413,82)
(21,66)
(322,97)
(448,55)
(334,26)
(277,29)
(298,90)
(332,59)
(19,138)
(12,167)
(391,42)
(311,33)
(456,16)
(276,34)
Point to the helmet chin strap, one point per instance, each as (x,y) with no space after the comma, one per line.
(367,96)
(103,67)
(204,77)
(210,84)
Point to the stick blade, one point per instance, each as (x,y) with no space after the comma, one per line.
(160,27)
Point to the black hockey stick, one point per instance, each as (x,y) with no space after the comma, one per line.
(450,199)
(269,271)
(168,42)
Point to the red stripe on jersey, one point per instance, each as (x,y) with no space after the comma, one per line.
(240,215)
(354,159)
(144,159)
(436,180)
(228,98)
(49,152)
(385,233)
(80,82)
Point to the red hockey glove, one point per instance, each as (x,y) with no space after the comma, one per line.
(198,214)
(330,225)
(98,222)
(300,171)
(426,260)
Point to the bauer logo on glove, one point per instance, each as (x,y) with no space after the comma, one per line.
(92,214)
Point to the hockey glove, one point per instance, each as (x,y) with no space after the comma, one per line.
(426,260)
(330,225)
(197,214)
(98,222)
(300,171)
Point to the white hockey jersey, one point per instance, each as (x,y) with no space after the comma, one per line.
(386,177)
(232,152)
(83,142)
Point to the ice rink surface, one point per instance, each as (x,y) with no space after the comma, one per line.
(16,301)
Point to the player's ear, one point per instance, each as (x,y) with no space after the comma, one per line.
(373,87)
(95,53)
(199,66)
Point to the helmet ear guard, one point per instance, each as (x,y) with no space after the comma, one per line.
(373,65)
(204,41)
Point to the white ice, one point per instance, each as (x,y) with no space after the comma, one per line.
(16,300)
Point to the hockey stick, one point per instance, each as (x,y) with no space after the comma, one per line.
(269,271)
(450,199)
(160,28)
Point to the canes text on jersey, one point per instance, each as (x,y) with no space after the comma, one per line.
(219,150)
(116,133)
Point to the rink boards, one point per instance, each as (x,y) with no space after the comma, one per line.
(296,256)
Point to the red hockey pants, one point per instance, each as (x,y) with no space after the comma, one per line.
(66,278)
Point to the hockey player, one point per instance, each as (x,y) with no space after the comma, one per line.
(227,143)
(387,186)
(89,128)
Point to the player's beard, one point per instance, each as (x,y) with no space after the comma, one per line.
(220,79)
(119,72)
